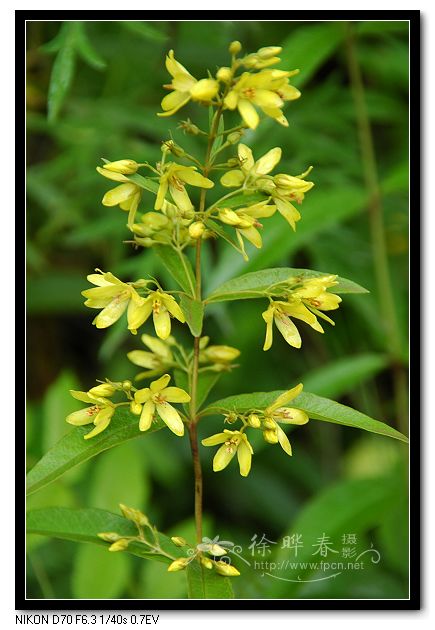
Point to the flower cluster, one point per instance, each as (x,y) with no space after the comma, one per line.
(305,300)
(267,420)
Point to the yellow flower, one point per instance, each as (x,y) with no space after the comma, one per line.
(162,306)
(232,442)
(314,294)
(99,413)
(113,296)
(127,196)
(287,189)
(157,397)
(267,89)
(157,361)
(250,170)
(185,87)
(173,178)
(277,412)
(245,221)
(279,313)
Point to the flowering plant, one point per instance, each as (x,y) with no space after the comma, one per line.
(168,211)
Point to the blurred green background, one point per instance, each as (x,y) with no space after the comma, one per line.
(339,480)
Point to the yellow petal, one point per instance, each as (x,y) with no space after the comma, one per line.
(245,157)
(172,102)
(283,440)
(173,66)
(248,113)
(213,440)
(143,359)
(162,323)
(101,421)
(161,193)
(204,90)
(253,236)
(268,317)
(300,311)
(289,415)
(82,417)
(111,313)
(232,179)
(138,312)
(282,400)
(142,395)
(116,177)
(175,395)
(223,457)
(160,383)
(288,330)
(146,417)
(119,194)
(267,163)
(244,455)
(288,211)
(180,197)
(231,100)
(171,418)
(192,177)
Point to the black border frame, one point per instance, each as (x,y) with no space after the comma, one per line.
(414,601)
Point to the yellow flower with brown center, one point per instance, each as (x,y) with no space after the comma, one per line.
(267,89)
(232,442)
(278,412)
(162,306)
(174,177)
(157,398)
(99,413)
(185,87)
(245,221)
(279,313)
(250,170)
(158,360)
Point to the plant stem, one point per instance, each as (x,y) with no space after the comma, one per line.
(377,229)
(195,364)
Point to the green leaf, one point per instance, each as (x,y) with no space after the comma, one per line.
(219,138)
(206,382)
(219,230)
(85,49)
(207,584)
(73,449)
(146,30)
(194,312)
(316,407)
(178,266)
(308,47)
(256,283)
(144,182)
(84,525)
(341,375)
(98,574)
(62,72)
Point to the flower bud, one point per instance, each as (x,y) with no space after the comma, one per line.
(204,90)
(179,564)
(269,51)
(221,354)
(144,242)
(105,389)
(179,541)
(135,408)
(224,74)
(119,545)
(234,137)
(109,536)
(254,421)
(217,550)
(134,515)
(223,568)
(269,423)
(270,436)
(141,230)
(188,127)
(126,385)
(232,162)
(203,342)
(197,229)
(175,149)
(229,217)
(155,221)
(231,417)
(235,47)
(206,562)
(125,167)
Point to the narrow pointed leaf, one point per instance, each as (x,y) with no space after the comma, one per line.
(178,266)
(256,283)
(316,407)
(194,313)
(84,525)
(73,449)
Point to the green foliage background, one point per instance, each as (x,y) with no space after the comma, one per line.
(95,93)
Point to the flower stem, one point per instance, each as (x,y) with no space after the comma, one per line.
(195,363)
(377,229)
